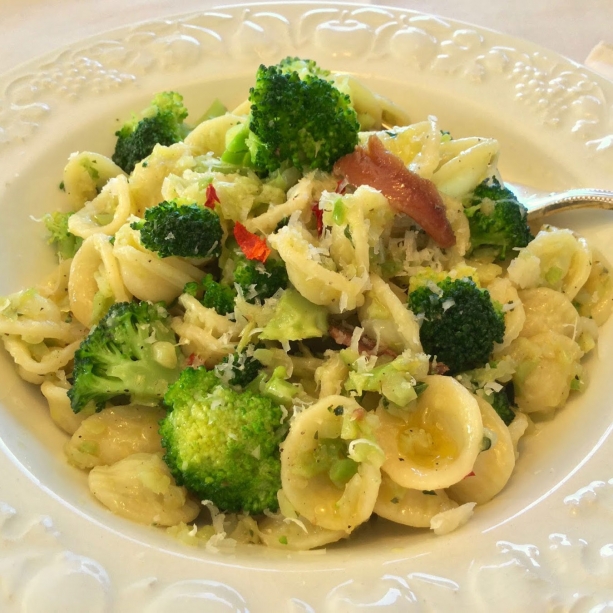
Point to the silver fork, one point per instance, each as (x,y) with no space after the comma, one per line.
(540,204)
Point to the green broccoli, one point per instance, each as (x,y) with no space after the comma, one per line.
(131,352)
(187,230)
(65,243)
(460,322)
(501,404)
(222,444)
(212,294)
(259,281)
(160,123)
(497,219)
(297,118)
(239,368)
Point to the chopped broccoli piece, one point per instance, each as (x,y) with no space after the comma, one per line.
(131,352)
(222,444)
(259,281)
(187,230)
(501,404)
(66,243)
(330,456)
(497,219)
(239,369)
(160,123)
(460,322)
(297,117)
(394,380)
(296,318)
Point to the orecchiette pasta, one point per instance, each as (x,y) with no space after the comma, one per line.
(410,507)
(547,309)
(86,174)
(95,281)
(357,350)
(141,488)
(147,178)
(314,495)
(438,441)
(106,213)
(556,258)
(59,407)
(493,466)
(503,291)
(547,364)
(311,278)
(114,434)
(210,135)
(280,533)
(146,275)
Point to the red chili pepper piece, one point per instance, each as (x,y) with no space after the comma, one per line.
(319,217)
(470,474)
(254,247)
(211,196)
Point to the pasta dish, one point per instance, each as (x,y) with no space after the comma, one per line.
(272,323)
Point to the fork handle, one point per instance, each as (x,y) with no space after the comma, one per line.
(570,200)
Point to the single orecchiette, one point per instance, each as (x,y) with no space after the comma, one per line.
(595,298)
(547,363)
(467,168)
(313,494)
(410,507)
(145,274)
(438,442)
(94,279)
(141,488)
(60,410)
(114,434)
(85,174)
(556,258)
(106,213)
(493,467)
(547,309)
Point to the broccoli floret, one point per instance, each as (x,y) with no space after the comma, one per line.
(297,117)
(212,294)
(497,219)
(223,444)
(131,352)
(239,368)
(187,230)
(65,243)
(501,404)
(460,322)
(160,123)
(257,280)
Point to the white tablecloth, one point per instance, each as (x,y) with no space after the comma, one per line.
(32,27)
